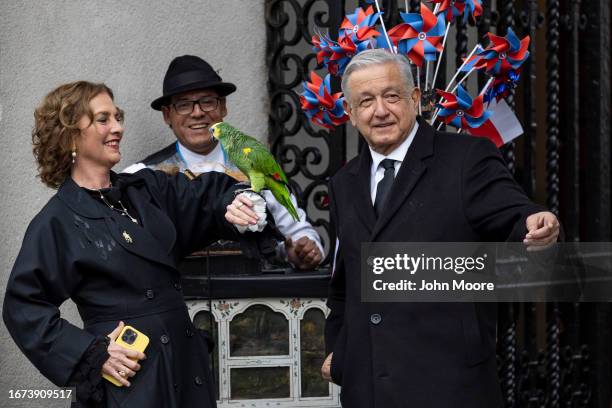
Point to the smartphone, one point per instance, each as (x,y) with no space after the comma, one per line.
(132,339)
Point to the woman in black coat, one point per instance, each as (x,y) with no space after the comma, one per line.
(112,242)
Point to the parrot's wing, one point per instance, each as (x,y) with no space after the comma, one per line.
(263,168)
(262,160)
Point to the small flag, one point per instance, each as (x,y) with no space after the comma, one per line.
(502,126)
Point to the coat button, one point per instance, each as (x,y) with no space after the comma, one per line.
(375,318)
(164,339)
(198,380)
(189,333)
(150,294)
(177,286)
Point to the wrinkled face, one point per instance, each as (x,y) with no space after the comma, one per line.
(381,106)
(98,142)
(192,129)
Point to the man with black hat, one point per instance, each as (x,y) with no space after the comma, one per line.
(194,99)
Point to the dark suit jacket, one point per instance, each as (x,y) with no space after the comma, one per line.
(450,188)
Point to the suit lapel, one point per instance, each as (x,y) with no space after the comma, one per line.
(361,181)
(412,169)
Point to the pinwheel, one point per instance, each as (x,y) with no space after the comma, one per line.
(360,24)
(335,56)
(502,85)
(461,111)
(503,54)
(342,52)
(321,106)
(456,8)
(320,45)
(420,36)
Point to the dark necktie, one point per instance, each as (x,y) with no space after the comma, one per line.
(384,185)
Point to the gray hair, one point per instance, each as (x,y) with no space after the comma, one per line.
(377,56)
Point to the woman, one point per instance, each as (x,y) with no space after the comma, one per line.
(112,243)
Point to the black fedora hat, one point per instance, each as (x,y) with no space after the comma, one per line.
(188,73)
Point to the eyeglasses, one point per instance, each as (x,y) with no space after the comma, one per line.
(207,104)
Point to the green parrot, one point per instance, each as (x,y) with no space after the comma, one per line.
(256,162)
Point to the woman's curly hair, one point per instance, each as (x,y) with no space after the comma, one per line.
(56,128)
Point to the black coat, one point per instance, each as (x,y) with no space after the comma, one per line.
(450,188)
(114,270)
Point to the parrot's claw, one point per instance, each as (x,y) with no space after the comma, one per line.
(248,190)
(259,206)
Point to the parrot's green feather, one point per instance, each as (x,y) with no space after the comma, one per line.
(257,163)
(280,192)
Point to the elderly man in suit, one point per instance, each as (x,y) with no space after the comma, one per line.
(413,183)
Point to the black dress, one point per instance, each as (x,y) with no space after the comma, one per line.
(114,269)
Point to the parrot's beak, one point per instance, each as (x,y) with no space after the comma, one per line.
(213,139)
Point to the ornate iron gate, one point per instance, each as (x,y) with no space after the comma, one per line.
(549,355)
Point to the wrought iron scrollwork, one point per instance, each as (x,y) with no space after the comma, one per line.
(507,352)
(461,47)
(552,143)
(553,356)
(308,156)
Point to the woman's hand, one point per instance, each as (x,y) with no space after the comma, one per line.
(122,363)
(240,212)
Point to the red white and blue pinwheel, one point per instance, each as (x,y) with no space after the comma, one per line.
(457,8)
(502,85)
(360,24)
(321,106)
(503,54)
(420,36)
(461,111)
(320,45)
(343,51)
(335,56)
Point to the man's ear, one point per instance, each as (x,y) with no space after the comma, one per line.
(416,97)
(348,110)
(166,113)
(222,108)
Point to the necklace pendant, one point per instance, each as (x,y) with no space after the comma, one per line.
(127,237)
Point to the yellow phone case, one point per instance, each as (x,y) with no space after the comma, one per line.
(132,339)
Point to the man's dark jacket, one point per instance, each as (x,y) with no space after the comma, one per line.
(450,188)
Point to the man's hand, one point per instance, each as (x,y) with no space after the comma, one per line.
(304,253)
(543,230)
(326,368)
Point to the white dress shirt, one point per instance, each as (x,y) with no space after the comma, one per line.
(377,172)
